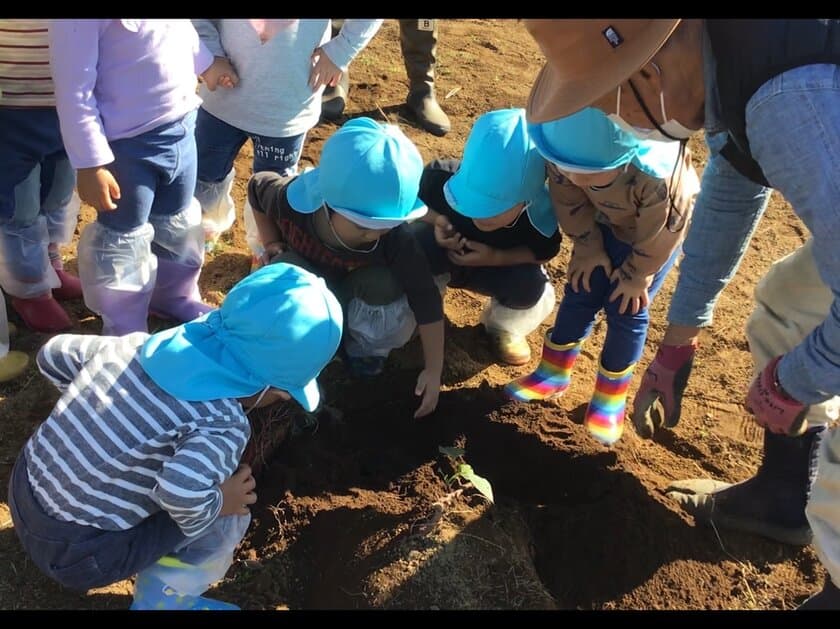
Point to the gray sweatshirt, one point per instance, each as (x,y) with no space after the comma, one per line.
(273,97)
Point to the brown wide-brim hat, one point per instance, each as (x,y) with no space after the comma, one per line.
(586,59)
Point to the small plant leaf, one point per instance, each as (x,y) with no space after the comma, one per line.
(466,472)
(451,452)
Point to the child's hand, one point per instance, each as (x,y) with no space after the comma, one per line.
(97,187)
(428,385)
(585,260)
(220,74)
(631,289)
(324,71)
(270,251)
(474,253)
(445,235)
(238,492)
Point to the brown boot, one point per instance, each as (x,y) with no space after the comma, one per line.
(418,47)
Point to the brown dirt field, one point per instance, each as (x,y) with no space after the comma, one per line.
(356,513)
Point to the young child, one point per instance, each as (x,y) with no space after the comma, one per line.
(345,221)
(274,71)
(625,203)
(38,210)
(137,468)
(491,226)
(125,93)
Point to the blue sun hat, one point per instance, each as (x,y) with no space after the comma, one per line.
(589,142)
(368,172)
(500,168)
(277,327)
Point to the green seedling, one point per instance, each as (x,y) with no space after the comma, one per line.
(463,472)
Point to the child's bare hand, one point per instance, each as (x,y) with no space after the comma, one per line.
(445,235)
(428,385)
(474,253)
(238,492)
(631,289)
(583,262)
(220,74)
(98,188)
(324,71)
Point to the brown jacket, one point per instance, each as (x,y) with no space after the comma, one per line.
(637,207)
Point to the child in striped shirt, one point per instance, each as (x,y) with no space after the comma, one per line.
(137,468)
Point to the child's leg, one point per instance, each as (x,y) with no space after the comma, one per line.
(177,580)
(61,207)
(218,144)
(280,155)
(25,273)
(521,297)
(116,264)
(377,318)
(176,217)
(81,557)
(573,323)
(623,346)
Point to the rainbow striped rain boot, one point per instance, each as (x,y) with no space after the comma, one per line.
(605,414)
(551,377)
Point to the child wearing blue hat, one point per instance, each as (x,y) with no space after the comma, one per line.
(345,221)
(626,203)
(491,226)
(137,468)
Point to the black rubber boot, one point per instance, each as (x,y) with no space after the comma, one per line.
(419,49)
(827,598)
(334,99)
(771,503)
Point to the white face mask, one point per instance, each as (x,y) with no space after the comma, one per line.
(259,399)
(673,128)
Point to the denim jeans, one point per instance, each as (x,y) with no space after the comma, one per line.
(219,144)
(35,174)
(626,333)
(726,213)
(518,286)
(81,557)
(793,126)
(156,172)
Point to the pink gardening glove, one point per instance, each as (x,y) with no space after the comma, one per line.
(658,402)
(773,408)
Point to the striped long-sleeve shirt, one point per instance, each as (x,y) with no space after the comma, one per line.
(117,448)
(25,79)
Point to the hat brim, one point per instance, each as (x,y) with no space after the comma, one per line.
(471,203)
(190,363)
(556,96)
(304,192)
(309,397)
(419,210)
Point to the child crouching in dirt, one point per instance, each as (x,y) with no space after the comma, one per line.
(491,226)
(137,468)
(625,203)
(345,221)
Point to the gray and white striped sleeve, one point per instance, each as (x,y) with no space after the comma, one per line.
(188,484)
(62,357)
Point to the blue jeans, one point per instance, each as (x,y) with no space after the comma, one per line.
(518,286)
(35,174)
(81,557)
(626,333)
(793,126)
(156,173)
(219,144)
(726,213)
